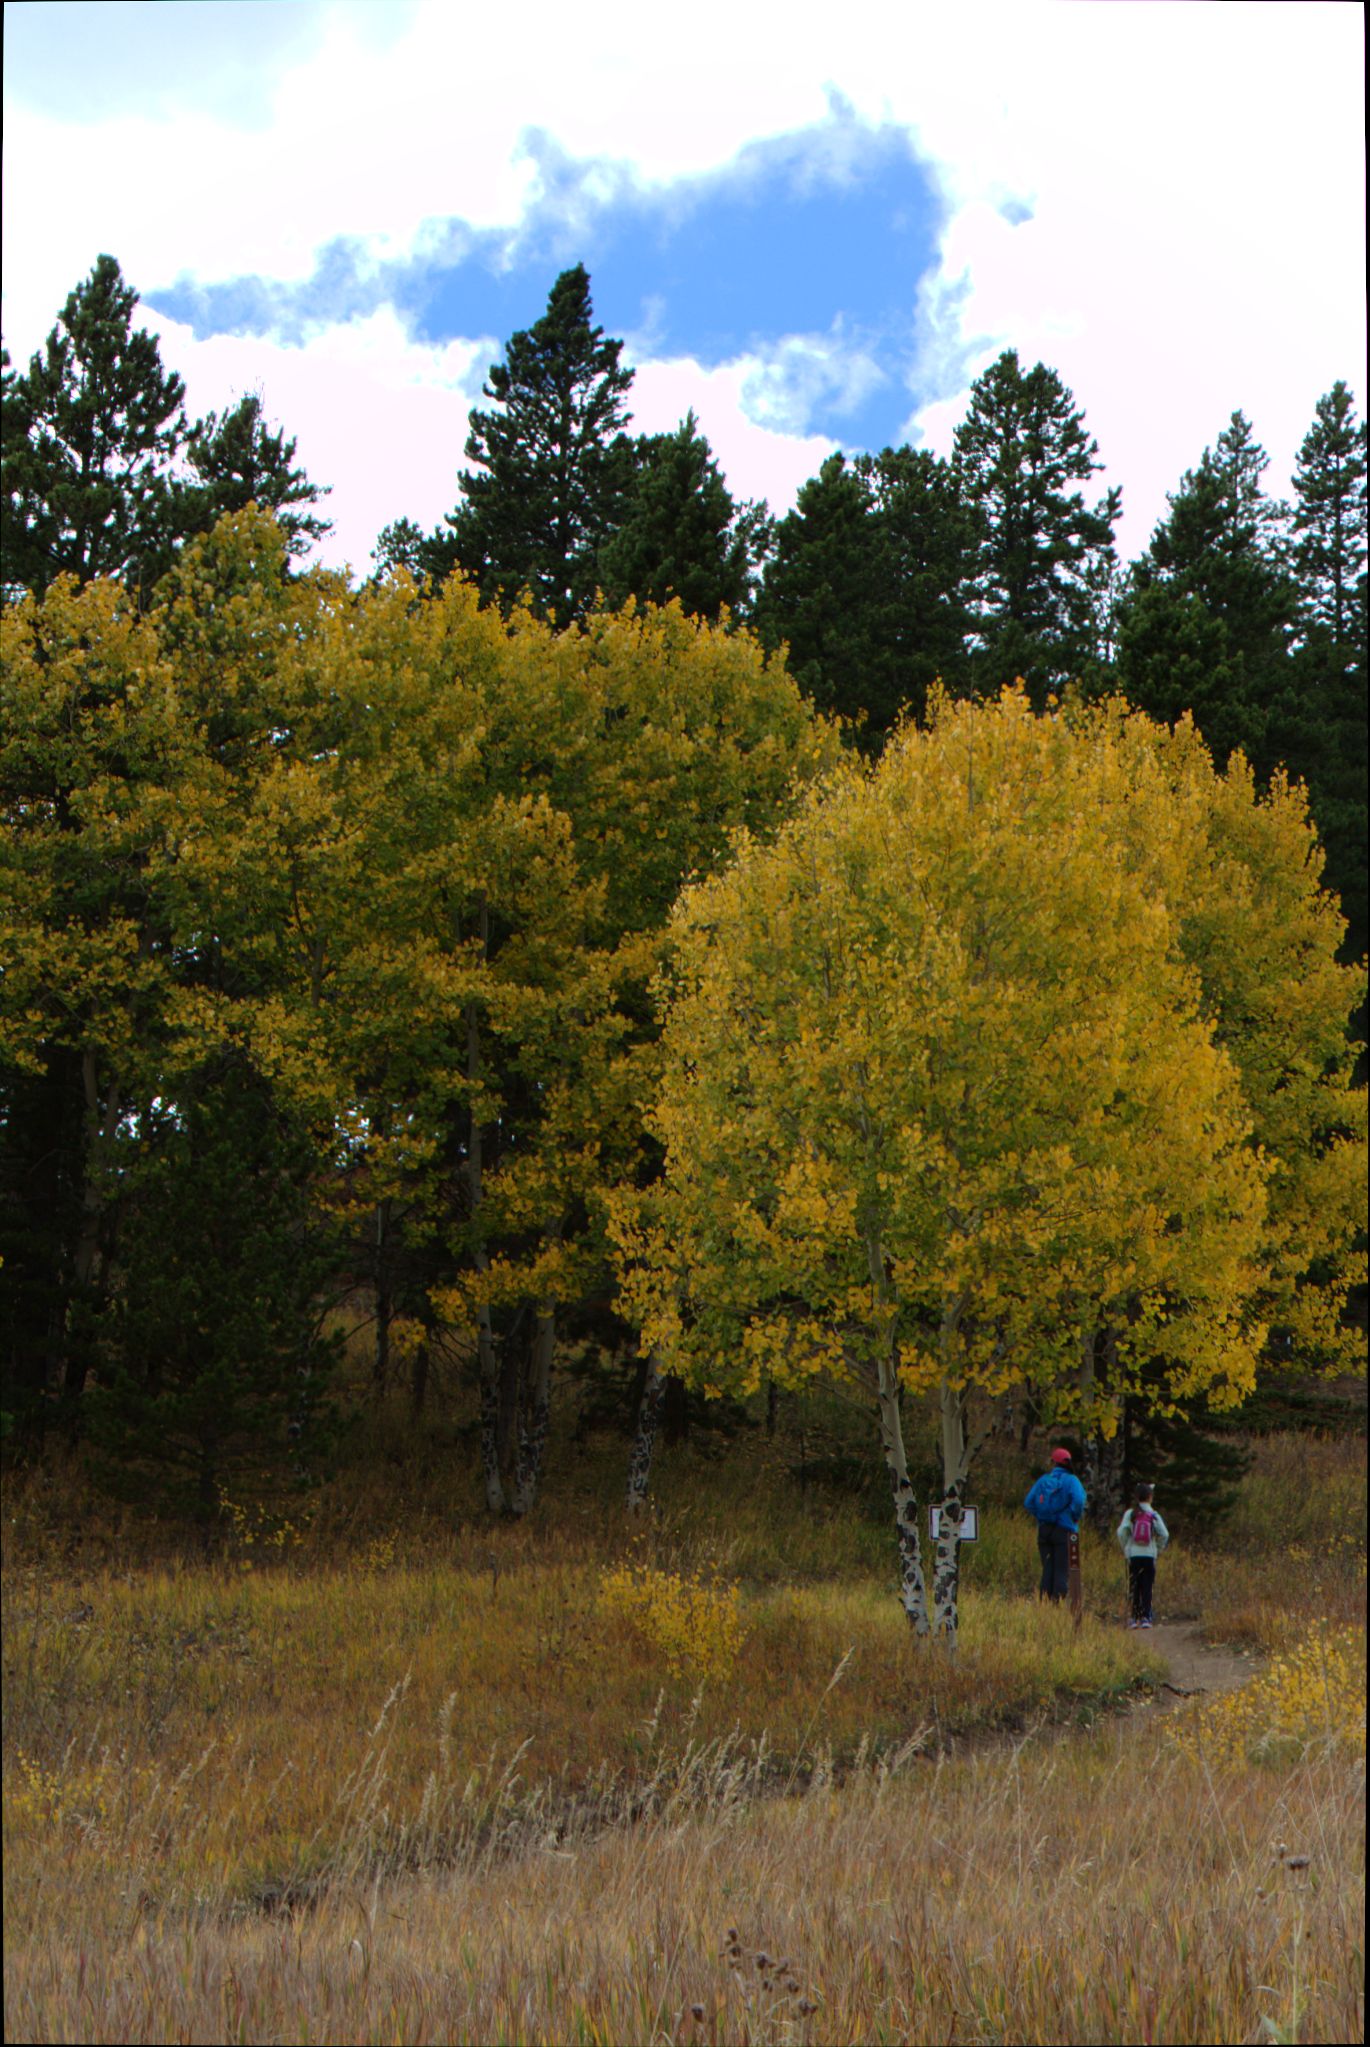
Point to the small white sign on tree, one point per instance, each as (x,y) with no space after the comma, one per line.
(970,1523)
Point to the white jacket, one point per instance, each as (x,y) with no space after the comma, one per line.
(1160,1536)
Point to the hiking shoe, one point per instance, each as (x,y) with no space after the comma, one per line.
(1134,1624)
(1146,1623)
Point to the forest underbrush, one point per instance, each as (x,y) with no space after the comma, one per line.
(363,1773)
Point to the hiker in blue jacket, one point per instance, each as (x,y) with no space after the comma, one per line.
(1056,1500)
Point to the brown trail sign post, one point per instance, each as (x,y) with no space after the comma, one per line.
(1074,1583)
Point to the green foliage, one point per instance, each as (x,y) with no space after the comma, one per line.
(238,460)
(1322,719)
(404,865)
(88,432)
(1040,553)
(864,587)
(209,1353)
(1197,1465)
(1254,624)
(1330,521)
(1205,627)
(102,475)
(428,558)
(540,500)
(679,532)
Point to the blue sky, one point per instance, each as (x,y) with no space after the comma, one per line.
(814,230)
(824,233)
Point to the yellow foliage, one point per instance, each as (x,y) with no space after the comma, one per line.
(412,860)
(256,1528)
(56,1797)
(942,1074)
(1312,1698)
(694,1623)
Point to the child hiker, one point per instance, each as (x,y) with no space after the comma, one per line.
(1142,1535)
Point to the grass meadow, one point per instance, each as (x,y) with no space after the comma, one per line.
(384,1771)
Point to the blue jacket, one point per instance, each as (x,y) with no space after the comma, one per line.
(1057,1499)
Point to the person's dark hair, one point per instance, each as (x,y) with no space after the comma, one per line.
(1143,1495)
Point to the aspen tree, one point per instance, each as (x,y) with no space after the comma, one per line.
(942,1094)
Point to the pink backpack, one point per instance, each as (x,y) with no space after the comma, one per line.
(1143,1525)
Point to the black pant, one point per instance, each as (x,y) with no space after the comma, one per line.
(1053,1547)
(1141,1576)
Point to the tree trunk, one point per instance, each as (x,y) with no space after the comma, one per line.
(644,1441)
(536,1412)
(912,1590)
(102,1121)
(511,1374)
(1103,1478)
(946,1576)
(418,1377)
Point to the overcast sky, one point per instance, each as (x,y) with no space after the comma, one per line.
(815,226)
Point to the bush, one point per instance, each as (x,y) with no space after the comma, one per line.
(1311,1699)
(696,1625)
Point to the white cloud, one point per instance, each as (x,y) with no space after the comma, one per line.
(1197,236)
(800,372)
(1194,172)
(757,460)
(380,418)
(372,139)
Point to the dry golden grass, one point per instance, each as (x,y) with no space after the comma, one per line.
(365,1777)
(1105,1888)
(1293,1547)
(258,1696)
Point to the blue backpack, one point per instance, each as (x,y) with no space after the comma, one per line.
(1050,1496)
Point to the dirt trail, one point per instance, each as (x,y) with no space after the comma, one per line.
(1196,1665)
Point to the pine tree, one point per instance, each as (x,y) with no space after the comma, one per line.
(1021,454)
(1197,1467)
(429,557)
(824,591)
(1206,624)
(926,542)
(1330,521)
(213,1353)
(89,433)
(682,534)
(865,587)
(238,460)
(540,500)
(1326,723)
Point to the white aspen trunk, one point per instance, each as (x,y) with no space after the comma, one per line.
(534,1419)
(485,1335)
(644,1441)
(912,1591)
(946,1576)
